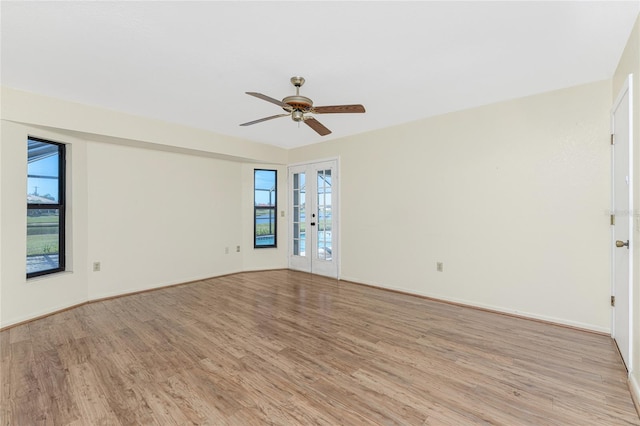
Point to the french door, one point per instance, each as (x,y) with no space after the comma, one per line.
(313,209)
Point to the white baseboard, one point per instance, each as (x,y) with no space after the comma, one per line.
(500,309)
(103,296)
(40,314)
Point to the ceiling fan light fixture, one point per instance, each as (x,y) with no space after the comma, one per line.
(297,115)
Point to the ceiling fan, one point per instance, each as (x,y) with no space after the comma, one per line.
(299,108)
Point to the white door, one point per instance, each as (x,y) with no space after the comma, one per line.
(313,209)
(622,237)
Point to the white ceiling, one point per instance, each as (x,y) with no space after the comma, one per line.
(191,62)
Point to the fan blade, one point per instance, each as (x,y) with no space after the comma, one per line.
(333,109)
(270,99)
(317,126)
(264,119)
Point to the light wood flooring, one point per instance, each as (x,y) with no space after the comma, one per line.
(288,348)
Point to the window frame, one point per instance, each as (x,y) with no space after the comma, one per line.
(256,207)
(60,206)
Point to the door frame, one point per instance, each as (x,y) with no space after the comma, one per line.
(335,228)
(629,215)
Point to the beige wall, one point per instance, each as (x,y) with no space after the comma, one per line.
(158,218)
(113,127)
(22,300)
(630,64)
(154,202)
(512,197)
(1,221)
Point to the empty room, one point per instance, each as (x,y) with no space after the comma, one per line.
(332,212)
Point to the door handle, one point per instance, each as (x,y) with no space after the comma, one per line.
(622,243)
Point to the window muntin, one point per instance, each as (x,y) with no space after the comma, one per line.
(45,207)
(265,208)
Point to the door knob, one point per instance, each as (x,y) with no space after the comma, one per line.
(622,243)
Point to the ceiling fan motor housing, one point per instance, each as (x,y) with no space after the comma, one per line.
(298,102)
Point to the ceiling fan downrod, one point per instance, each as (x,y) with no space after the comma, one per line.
(297,82)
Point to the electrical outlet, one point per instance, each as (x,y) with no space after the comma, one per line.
(96,266)
(281,213)
(440,267)
(226,250)
(237,249)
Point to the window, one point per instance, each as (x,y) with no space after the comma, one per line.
(264,208)
(45,207)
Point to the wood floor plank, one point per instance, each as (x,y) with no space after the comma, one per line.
(289,348)
(191,404)
(18,334)
(164,408)
(89,394)
(54,386)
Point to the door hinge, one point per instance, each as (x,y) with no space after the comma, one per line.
(612,142)
(613,219)
(613,301)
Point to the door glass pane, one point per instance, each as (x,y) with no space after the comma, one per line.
(324,215)
(299,234)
